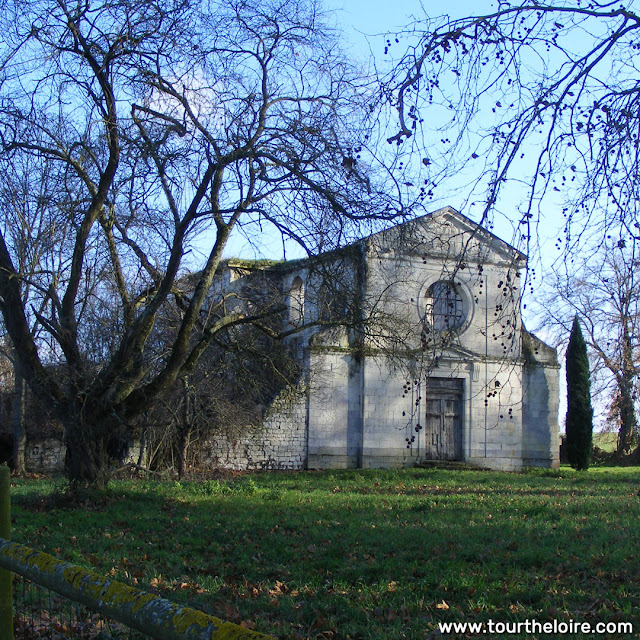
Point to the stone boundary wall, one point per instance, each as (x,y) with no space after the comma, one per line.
(45,456)
(280,442)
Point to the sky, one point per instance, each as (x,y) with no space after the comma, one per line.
(365,25)
(378,16)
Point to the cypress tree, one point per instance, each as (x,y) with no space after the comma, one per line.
(579,424)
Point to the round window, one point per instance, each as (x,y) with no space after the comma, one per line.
(444,306)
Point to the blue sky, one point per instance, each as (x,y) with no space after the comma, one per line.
(377,16)
(364,24)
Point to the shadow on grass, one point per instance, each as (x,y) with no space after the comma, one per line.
(365,554)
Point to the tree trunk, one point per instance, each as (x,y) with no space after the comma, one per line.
(87,457)
(143,446)
(19,432)
(628,374)
(628,420)
(183,429)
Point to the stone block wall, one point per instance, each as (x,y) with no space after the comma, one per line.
(541,444)
(496,407)
(330,410)
(387,417)
(45,456)
(280,442)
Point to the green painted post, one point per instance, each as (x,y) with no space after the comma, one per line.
(6,587)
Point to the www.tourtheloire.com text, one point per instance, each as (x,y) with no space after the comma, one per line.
(533,626)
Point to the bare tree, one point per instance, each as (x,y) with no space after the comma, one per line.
(170,126)
(226,394)
(238,375)
(30,226)
(540,96)
(605,292)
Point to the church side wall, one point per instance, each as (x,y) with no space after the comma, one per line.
(541,447)
(280,442)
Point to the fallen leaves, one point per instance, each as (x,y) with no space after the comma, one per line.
(279,589)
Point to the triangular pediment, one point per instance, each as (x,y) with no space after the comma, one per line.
(445,233)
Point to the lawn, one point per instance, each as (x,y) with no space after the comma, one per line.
(607,441)
(360,554)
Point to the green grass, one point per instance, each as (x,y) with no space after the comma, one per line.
(608,442)
(361,554)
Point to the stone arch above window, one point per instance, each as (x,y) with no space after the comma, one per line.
(296,302)
(445,308)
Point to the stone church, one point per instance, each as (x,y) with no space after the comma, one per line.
(412,348)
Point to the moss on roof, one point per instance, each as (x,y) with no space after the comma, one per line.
(243,263)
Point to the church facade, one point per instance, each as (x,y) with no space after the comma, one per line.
(412,348)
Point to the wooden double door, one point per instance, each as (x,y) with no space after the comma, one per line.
(443,420)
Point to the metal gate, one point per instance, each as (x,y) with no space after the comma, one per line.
(443,420)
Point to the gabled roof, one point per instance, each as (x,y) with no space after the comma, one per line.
(410,235)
